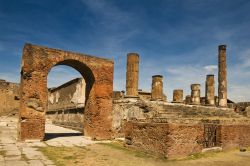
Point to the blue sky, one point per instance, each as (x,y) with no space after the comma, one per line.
(176,38)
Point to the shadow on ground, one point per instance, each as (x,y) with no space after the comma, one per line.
(49,136)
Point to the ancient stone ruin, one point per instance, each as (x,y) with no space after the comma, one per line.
(186,127)
(146,120)
(98,73)
(66,104)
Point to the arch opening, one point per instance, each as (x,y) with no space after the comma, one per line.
(69,84)
(36,63)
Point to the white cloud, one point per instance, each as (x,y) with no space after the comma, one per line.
(210,68)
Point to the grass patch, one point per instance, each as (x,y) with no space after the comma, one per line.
(62,156)
(196,156)
(119,146)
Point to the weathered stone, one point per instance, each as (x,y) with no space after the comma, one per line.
(178,96)
(247,110)
(188,99)
(157,87)
(195,94)
(132,75)
(37,61)
(9,98)
(222,76)
(209,90)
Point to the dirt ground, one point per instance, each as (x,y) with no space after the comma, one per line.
(114,154)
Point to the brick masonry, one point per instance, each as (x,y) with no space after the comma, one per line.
(180,139)
(37,61)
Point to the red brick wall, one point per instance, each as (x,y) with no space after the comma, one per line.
(170,140)
(235,136)
(185,139)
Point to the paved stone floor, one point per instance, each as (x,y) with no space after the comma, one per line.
(14,153)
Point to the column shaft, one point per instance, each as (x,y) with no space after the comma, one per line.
(195,94)
(132,75)
(157,87)
(210,90)
(222,76)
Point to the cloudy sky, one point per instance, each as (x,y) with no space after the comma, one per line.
(175,38)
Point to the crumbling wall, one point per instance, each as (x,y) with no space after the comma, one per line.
(68,95)
(131,108)
(171,140)
(127,109)
(235,135)
(183,137)
(66,104)
(9,98)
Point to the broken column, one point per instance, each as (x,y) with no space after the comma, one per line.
(157,87)
(210,90)
(132,75)
(195,94)
(188,99)
(178,96)
(222,76)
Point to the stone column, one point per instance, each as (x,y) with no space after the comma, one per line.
(222,76)
(195,94)
(188,99)
(178,96)
(157,87)
(132,75)
(210,90)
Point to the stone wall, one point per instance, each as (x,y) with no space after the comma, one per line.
(183,137)
(9,98)
(66,104)
(68,95)
(68,118)
(170,140)
(235,135)
(128,109)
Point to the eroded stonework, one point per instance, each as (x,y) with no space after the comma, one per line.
(37,61)
(66,104)
(9,98)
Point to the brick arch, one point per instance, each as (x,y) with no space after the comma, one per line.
(37,61)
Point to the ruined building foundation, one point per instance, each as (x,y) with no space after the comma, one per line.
(195,94)
(178,96)
(210,90)
(157,87)
(222,76)
(132,75)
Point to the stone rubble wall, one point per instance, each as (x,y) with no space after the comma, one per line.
(235,135)
(128,109)
(170,140)
(68,95)
(66,104)
(183,138)
(9,98)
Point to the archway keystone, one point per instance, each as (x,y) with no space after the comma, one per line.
(37,61)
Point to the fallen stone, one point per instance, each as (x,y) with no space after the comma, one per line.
(213,149)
